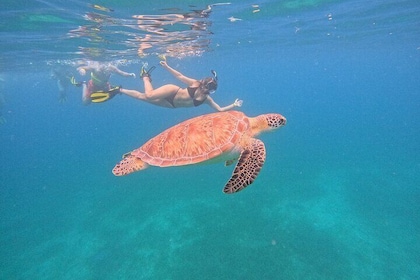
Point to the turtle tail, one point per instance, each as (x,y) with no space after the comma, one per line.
(128,165)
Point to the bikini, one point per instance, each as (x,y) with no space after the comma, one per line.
(191,92)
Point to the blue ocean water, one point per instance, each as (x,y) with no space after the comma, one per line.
(338,197)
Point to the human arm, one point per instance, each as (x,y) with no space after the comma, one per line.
(215,106)
(120,72)
(186,80)
(89,67)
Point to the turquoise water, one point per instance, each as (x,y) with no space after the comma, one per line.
(338,197)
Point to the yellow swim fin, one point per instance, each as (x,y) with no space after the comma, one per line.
(102,96)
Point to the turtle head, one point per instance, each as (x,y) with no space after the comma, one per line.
(274,120)
(267,122)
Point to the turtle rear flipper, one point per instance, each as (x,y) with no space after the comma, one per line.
(248,167)
(128,165)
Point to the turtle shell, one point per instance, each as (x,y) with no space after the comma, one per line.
(195,140)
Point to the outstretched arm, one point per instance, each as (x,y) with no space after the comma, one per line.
(120,72)
(186,80)
(215,106)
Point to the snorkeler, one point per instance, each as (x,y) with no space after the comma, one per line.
(63,76)
(98,88)
(196,93)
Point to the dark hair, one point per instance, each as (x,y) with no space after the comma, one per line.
(209,84)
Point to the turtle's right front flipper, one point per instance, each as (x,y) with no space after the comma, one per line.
(248,167)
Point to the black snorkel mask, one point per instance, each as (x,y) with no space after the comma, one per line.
(212,84)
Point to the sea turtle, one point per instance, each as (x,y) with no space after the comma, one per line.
(223,136)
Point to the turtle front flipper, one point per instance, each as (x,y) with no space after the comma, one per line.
(249,165)
(128,165)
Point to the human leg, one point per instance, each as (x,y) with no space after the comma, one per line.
(159,93)
(133,93)
(141,96)
(86,95)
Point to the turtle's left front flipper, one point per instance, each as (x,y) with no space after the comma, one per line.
(248,167)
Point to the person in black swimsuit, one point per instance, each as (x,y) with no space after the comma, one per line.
(173,96)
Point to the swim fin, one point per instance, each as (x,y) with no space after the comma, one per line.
(146,73)
(102,96)
(114,90)
(75,83)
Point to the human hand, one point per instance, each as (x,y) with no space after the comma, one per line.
(133,75)
(237,103)
(163,63)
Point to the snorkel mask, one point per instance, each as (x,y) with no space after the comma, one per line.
(212,83)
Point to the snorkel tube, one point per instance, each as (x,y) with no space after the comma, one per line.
(211,85)
(214,74)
